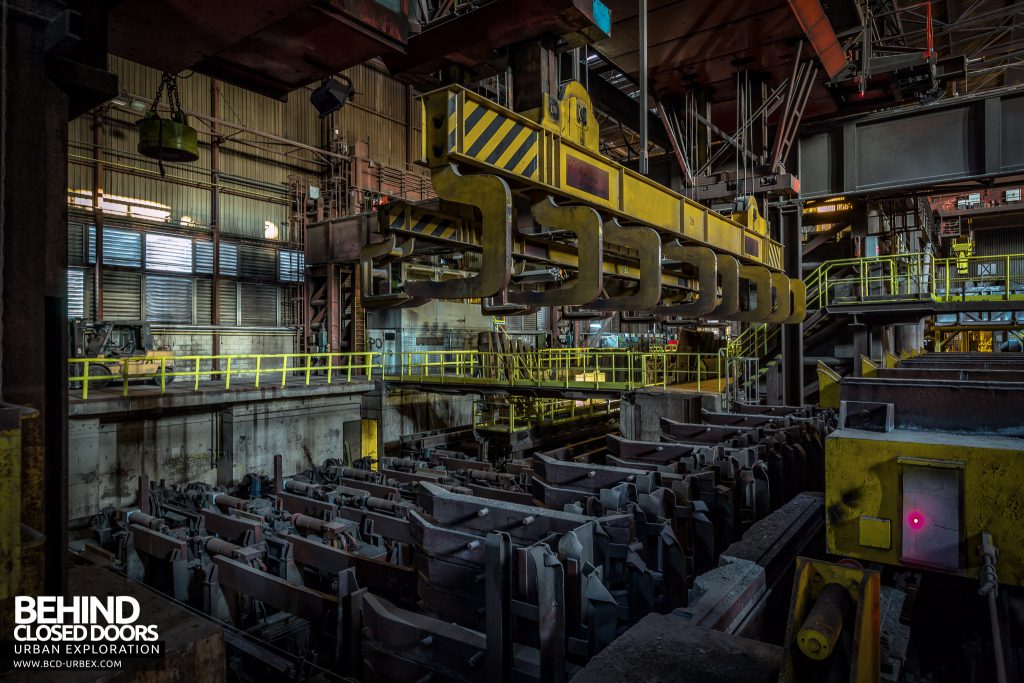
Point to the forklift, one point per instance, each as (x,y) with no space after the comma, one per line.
(123,346)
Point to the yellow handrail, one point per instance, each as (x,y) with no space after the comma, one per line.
(894,278)
(260,368)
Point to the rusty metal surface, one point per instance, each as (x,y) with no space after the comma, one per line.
(271,46)
(662,646)
(297,600)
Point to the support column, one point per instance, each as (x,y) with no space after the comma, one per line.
(789,217)
(215,216)
(50,54)
(535,65)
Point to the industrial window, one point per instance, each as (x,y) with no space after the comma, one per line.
(76,244)
(168,253)
(228,294)
(259,304)
(228,258)
(168,299)
(122,295)
(120,247)
(204,301)
(204,257)
(76,293)
(258,262)
(291,265)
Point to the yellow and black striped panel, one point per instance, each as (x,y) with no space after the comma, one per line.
(494,139)
(422,223)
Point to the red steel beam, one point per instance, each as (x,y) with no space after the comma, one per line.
(811,17)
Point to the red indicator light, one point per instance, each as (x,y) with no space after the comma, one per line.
(915,520)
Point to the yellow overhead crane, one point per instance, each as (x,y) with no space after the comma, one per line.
(689,261)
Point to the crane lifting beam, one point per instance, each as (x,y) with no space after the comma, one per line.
(555,150)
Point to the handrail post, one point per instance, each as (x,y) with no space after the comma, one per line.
(309,360)
(258,362)
(85,382)
(163,375)
(1006,274)
(227,377)
(284,370)
(330,367)
(124,381)
(195,386)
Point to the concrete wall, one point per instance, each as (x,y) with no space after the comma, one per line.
(640,414)
(215,445)
(233,341)
(408,412)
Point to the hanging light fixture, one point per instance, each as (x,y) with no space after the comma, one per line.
(167,139)
(331,95)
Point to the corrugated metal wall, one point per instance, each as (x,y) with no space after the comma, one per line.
(998,242)
(253,176)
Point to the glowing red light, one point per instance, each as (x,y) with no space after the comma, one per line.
(915,520)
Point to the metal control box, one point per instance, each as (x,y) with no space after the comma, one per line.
(922,499)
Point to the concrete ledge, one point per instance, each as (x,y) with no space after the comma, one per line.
(141,399)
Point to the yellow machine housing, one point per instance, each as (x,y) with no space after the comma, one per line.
(923,499)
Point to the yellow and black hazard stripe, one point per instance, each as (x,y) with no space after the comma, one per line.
(424,224)
(495,140)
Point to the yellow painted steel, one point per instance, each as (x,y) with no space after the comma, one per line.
(565,368)
(868,367)
(864,586)
(435,227)
(368,442)
(828,386)
(897,278)
(891,359)
(512,414)
(863,472)
(257,369)
(461,126)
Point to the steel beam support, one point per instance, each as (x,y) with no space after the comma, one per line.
(789,218)
(915,148)
(52,76)
(642,47)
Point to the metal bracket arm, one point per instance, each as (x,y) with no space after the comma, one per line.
(762,279)
(706,263)
(647,243)
(783,304)
(491,195)
(586,224)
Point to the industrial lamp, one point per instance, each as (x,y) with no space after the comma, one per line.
(331,95)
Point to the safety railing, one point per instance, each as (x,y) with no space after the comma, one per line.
(515,414)
(85,375)
(573,368)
